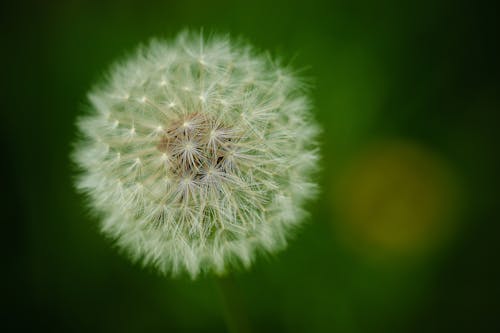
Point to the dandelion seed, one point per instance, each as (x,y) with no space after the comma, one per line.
(206,170)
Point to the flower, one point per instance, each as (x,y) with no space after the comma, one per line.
(197,153)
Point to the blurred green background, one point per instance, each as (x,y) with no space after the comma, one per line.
(404,236)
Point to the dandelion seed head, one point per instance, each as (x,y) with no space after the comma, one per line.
(198,153)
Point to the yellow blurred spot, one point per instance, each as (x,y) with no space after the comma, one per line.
(395,198)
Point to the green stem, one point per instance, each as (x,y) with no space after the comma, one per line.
(234,312)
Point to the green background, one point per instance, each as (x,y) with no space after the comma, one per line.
(422,72)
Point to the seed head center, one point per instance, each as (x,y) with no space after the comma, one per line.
(197,146)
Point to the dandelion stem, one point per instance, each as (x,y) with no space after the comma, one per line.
(233,307)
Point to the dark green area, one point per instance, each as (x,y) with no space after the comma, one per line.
(423,71)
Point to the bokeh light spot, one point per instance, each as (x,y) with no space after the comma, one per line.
(396,199)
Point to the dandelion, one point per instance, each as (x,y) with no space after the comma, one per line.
(197,154)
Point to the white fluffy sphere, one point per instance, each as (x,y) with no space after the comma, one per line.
(197,153)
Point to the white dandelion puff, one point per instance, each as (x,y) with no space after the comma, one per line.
(198,153)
